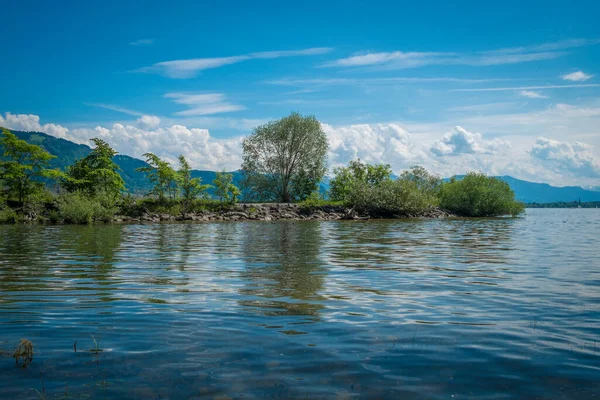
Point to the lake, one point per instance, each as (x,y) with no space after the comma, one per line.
(482,309)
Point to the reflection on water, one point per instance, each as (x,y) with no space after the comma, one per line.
(381,309)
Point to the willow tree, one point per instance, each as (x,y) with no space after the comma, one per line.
(285,160)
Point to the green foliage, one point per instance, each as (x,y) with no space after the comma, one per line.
(191,188)
(225,190)
(23,168)
(477,195)
(80,208)
(96,172)
(357,172)
(285,160)
(390,198)
(162,176)
(7,214)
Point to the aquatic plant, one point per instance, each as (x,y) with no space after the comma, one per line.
(23,354)
(96,349)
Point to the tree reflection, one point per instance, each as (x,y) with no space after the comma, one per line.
(284,266)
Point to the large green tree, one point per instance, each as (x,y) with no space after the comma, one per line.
(162,175)
(285,160)
(24,167)
(190,187)
(96,172)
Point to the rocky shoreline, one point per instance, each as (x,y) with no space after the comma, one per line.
(274,212)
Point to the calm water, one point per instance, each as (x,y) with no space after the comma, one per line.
(498,308)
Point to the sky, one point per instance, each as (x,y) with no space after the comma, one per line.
(509,88)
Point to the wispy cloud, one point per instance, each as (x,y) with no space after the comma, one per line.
(115,108)
(532,94)
(189,68)
(142,42)
(401,59)
(373,81)
(203,103)
(578,76)
(501,89)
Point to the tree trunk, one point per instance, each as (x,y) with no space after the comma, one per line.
(286,197)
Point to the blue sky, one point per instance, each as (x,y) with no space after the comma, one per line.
(510,88)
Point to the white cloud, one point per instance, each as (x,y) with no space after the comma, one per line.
(532,94)
(115,108)
(142,42)
(148,122)
(31,123)
(461,141)
(401,59)
(504,89)
(189,68)
(575,159)
(578,76)
(203,103)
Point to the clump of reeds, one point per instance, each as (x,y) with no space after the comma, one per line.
(23,354)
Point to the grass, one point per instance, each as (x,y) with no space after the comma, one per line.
(23,354)
(96,349)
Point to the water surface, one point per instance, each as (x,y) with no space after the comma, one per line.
(491,308)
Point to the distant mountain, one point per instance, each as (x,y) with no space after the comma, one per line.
(531,192)
(68,152)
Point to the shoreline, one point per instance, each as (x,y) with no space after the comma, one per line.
(276,212)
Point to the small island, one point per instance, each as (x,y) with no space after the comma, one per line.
(284,162)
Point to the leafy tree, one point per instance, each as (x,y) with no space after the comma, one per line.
(428,184)
(285,160)
(161,175)
(224,187)
(477,195)
(96,172)
(190,187)
(24,167)
(357,172)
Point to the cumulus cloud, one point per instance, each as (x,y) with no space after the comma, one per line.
(31,123)
(376,143)
(461,141)
(148,122)
(189,68)
(197,145)
(578,76)
(203,104)
(576,159)
(532,94)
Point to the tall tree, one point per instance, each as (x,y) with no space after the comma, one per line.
(285,160)
(161,174)
(190,187)
(24,167)
(96,172)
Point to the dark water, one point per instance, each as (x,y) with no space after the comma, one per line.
(499,308)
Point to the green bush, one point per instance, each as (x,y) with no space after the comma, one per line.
(7,214)
(78,208)
(477,195)
(389,198)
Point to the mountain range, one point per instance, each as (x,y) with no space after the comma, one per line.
(68,152)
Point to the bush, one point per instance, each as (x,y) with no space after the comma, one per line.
(7,214)
(401,197)
(477,195)
(79,208)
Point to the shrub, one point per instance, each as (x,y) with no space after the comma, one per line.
(389,198)
(78,208)
(7,214)
(477,195)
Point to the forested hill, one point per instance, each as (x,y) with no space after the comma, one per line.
(68,152)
